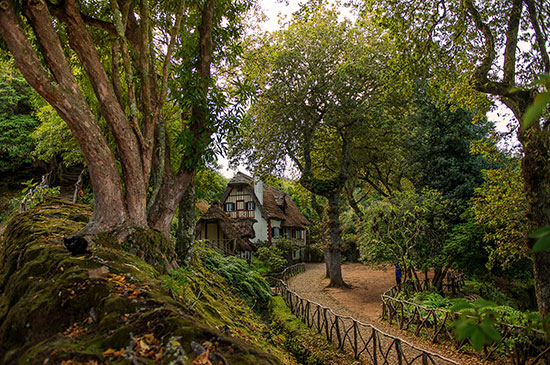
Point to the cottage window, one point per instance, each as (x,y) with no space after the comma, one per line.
(275,232)
(297,234)
(229,207)
(250,205)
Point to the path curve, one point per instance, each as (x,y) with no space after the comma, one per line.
(363,301)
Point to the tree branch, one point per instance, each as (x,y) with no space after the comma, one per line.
(125,139)
(480,75)
(121,21)
(97,23)
(23,53)
(539,35)
(199,111)
(512,43)
(167,59)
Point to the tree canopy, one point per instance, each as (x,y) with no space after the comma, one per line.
(492,48)
(320,107)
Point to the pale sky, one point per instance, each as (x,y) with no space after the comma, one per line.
(272,9)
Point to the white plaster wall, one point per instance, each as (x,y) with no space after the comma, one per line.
(260,227)
(259,191)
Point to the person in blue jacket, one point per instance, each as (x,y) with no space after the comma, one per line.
(398,274)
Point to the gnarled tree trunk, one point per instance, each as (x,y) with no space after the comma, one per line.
(334,249)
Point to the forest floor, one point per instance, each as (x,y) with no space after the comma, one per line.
(363,301)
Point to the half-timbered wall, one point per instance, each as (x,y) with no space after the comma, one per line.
(238,198)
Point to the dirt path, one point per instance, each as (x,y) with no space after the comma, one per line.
(362,301)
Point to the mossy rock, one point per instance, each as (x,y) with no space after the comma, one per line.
(148,244)
(57,307)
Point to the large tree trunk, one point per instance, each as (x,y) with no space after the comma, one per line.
(120,201)
(535,169)
(185,234)
(163,209)
(67,99)
(320,214)
(334,253)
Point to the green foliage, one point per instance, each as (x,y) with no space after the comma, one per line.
(500,208)
(320,123)
(475,322)
(465,244)
(16,120)
(485,290)
(438,148)
(34,194)
(245,281)
(436,300)
(409,228)
(53,138)
(271,258)
(209,185)
(540,104)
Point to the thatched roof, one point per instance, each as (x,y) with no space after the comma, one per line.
(240,179)
(226,224)
(245,227)
(279,205)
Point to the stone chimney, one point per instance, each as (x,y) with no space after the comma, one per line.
(259,190)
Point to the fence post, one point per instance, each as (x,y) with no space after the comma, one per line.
(424,358)
(319,319)
(355,349)
(338,335)
(329,334)
(399,351)
(374,346)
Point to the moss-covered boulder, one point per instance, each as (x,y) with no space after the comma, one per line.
(110,305)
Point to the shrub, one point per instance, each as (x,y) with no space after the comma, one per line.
(271,259)
(247,283)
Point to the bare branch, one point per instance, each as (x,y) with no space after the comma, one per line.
(97,23)
(539,35)
(23,53)
(167,59)
(480,75)
(512,42)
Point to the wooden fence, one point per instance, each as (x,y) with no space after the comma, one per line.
(518,344)
(364,341)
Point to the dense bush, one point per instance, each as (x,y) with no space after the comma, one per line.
(270,259)
(16,121)
(245,281)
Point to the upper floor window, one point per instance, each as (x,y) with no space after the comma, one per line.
(250,205)
(276,232)
(229,207)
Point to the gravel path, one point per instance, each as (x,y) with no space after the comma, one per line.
(362,301)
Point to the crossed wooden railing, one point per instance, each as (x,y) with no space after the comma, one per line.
(518,344)
(364,341)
